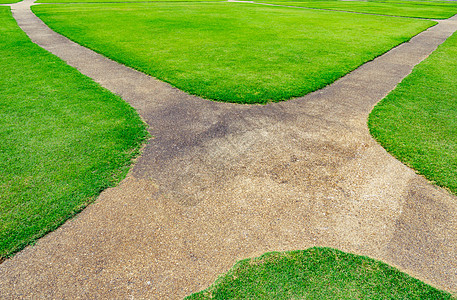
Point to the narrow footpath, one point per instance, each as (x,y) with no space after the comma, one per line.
(221,182)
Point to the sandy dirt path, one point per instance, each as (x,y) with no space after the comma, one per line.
(221,182)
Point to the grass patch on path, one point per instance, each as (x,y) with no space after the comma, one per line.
(64,139)
(232,52)
(415,9)
(316,273)
(417,122)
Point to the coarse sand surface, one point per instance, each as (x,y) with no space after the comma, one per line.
(220,182)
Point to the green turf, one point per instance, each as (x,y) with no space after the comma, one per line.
(316,273)
(418,2)
(232,52)
(417,122)
(63,139)
(122,1)
(9,1)
(429,10)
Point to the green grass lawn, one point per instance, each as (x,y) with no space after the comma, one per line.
(417,122)
(232,52)
(9,1)
(419,2)
(63,139)
(111,1)
(316,273)
(429,10)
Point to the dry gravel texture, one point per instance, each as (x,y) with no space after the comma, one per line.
(221,182)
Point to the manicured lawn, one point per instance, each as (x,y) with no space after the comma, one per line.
(9,1)
(110,1)
(232,52)
(416,9)
(64,139)
(417,122)
(316,273)
(420,2)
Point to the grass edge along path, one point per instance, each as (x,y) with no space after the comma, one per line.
(64,139)
(235,53)
(316,273)
(417,121)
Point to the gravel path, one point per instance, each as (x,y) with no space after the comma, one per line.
(221,182)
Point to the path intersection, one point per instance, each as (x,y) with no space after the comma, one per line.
(220,182)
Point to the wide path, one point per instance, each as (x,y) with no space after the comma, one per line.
(220,182)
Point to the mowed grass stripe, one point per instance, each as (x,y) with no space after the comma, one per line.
(316,273)
(427,10)
(64,139)
(9,1)
(229,51)
(417,122)
(121,1)
(414,9)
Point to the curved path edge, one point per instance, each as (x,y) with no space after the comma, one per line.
(221,182)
